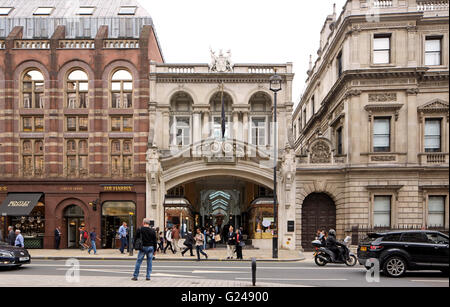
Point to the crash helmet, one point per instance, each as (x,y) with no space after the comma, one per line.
(332,232)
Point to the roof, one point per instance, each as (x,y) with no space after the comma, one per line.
(65,12)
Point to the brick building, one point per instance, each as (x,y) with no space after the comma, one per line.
(74,116)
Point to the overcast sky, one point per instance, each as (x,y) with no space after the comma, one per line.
(256,31)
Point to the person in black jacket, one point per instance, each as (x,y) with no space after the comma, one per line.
(57,237)
(189,243)
(231,242)
(11,236)
(332,244)
(149,241)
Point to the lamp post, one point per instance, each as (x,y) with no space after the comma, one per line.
(275,87)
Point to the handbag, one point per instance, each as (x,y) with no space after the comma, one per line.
(217,238)
(138,244)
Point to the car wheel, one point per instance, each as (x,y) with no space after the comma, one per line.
(394,267)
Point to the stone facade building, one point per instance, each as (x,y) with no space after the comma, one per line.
(372,127)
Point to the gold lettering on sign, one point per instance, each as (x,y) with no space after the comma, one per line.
(3,189)
(117,188)
(16,203)
(72,189)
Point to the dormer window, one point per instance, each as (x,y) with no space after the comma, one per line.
(4,11)
(127,10)
(86,10)
(43,10)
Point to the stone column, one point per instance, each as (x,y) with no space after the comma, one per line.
(235,125)
(245,126)
(196,127)
(206,129)
(412,132)
(166,129)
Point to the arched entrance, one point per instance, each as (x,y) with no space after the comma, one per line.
(74,216)
(318,212)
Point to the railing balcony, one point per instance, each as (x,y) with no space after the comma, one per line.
(383,3)
(261,70)
(76,44)
(181,70)
(434,158)
(121,44)
(32,44)
(432,5)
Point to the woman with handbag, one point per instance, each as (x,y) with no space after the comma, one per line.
(239,244)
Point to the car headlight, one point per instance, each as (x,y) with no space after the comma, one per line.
(6,254)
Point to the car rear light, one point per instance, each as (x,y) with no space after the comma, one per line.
(375,247)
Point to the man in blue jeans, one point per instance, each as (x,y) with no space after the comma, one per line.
(93,238)
(123,237)
(149,241)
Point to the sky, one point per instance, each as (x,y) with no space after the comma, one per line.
(256,31)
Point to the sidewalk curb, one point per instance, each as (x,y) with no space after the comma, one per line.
(162,259)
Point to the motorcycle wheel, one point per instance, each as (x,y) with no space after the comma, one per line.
(319,261)
(351,261)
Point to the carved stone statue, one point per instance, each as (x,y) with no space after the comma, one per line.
(221,62)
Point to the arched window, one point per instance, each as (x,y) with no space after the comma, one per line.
(122,90)
(216,107)
(77,90)
(33,89)
(180,120)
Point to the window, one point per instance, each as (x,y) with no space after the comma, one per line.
(77,123)
(382,211)
(304,118)
(432,135)
(433,51)
(43,10)
(313,106)
(121,158)
(414,237)
(121,124)
(77,157)
(33,90)
(381,49)
(4,11)
(259,131)
(32,157)
(122,90)
(127,10)
(181,131)
(33,124)
(86,10)
(395,237)
(436,211)
(77,90)
(339,64)
(382,135)
(435,238)
(339,141)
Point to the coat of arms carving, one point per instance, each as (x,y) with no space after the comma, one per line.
(221,62)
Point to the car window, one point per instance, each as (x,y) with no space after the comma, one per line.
(436,238)
(392,237)
(414,237)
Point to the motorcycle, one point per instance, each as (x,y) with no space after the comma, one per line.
(323,256)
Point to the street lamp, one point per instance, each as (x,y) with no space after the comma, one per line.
(275,87)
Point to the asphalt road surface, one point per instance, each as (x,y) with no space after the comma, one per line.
(284,273)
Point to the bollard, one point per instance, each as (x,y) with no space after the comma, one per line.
(254,271)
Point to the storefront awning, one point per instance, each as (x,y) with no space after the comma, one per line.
(19,204)
(177,202)
(262,201)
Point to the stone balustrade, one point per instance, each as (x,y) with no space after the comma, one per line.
(120,43)
(181,70)
(32,44)
(434,158)
(261,70)
(76,44)
(430,5)
(383,3)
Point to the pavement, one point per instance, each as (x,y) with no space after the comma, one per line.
(213,255)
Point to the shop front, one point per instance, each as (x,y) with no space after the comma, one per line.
(114,214)
(261,222)
(25,212)
(179,212)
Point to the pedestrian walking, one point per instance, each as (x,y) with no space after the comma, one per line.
(206,238)
(231,242)
(189,243)
(19,239)
(57,237)
(161,242)
(239,244)
(169,240)
(147,236)
(123,230)
(93,237)
(175,237)
(83,238)
(199,242)
(212,236)
(11,236)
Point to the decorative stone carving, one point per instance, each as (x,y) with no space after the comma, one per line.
(383,158)
(221,62)
(383,97)
(435,106)
(320,153)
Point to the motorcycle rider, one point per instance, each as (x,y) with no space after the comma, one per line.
(332,244)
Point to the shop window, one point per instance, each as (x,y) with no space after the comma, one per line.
(77,90)
(33,90)
(121,90)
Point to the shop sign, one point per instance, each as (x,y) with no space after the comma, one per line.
(3,189)
(19,203)
(77,188)
(117,188)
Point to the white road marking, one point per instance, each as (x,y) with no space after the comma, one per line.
(296,279)
(217,272)
(441,281)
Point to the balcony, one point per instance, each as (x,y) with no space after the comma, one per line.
(434,158)
(121,44)
(32,44)
(432,5)
(77,44)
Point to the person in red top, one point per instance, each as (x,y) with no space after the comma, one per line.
(175,237)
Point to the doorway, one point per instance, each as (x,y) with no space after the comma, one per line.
(318,212)
(75,219)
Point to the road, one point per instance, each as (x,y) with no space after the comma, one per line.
(221,273)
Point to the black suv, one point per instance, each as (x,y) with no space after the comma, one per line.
(398,252)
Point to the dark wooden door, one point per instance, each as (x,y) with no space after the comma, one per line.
(318,212)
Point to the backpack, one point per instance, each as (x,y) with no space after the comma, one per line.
(85,235)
